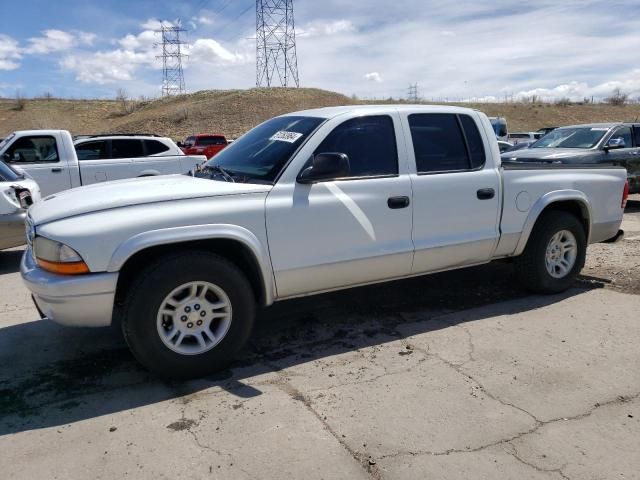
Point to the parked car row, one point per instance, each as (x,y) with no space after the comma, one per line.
(306,203)
(57,162)
(616,144)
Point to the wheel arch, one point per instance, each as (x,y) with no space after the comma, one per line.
(571,201)
(235,243)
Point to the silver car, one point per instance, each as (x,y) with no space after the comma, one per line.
(17,193)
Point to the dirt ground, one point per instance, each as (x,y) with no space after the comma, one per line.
(617,266)
(233,112)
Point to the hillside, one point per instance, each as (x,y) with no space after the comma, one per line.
(233,112)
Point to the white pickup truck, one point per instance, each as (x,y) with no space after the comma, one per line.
(56,162)
(306,203)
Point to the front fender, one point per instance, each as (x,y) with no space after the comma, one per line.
(167,236)
(549,199)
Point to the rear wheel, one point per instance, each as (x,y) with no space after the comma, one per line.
(554,255)
(186,315)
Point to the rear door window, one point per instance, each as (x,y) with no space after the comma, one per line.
(369,142)
(126,148)
(154,147)
(438,143)
(92,150)
(33,149)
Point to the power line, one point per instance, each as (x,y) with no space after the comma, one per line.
(236,18)
(276,59)
(172,55)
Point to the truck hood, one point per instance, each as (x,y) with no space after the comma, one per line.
(136,191)
(549,154)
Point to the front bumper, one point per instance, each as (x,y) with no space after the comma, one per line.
(71,300)
(12,233)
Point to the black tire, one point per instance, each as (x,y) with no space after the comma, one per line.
(530,267)
(147,293)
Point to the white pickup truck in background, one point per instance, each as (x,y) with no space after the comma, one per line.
(56,162)
(305,203)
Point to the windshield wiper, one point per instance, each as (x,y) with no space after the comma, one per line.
(224,173)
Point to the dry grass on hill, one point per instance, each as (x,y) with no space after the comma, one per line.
(233,112)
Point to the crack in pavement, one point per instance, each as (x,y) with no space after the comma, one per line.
(364,461)
(514,453)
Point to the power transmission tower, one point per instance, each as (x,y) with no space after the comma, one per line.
(172,55)
(413,93)
(276,60)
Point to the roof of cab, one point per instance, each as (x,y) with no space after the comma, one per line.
(331,112)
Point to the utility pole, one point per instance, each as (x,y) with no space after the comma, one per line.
(413,93)
(172,55)
(276,59)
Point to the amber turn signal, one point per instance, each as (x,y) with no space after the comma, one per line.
(67,268)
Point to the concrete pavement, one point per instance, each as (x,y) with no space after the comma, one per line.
(529,387)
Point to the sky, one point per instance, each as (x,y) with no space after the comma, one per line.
(462,49)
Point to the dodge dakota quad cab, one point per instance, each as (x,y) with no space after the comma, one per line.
(599,143)
(305,203)
(57,163)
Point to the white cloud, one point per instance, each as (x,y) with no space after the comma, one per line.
(143,41)
(155,24)
(208,50)
(50,41)
(323,27)
(373,77)
(575,90)
(58,41)
(107,67)
(86,38)
(203,20)
(9,53)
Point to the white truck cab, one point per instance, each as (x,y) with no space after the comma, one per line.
(58,163)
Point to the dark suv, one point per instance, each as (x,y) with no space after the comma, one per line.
(602,143)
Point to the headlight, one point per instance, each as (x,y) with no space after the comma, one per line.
(57,257)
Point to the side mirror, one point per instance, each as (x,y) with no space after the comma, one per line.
(615,143)
(326,166)
(6,157)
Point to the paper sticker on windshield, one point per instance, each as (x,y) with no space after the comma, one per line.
(283,136)
(599,129)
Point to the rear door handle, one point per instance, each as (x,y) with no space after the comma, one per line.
(486,193)
(56,170)
(398,202)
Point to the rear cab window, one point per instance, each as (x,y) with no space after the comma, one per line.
(33,149)
(446,142)
(211,140)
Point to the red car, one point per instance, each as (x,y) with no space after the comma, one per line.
(204,144)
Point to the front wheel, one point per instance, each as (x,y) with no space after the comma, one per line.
(554,255)
(187,314)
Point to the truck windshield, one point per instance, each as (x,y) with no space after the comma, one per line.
(8,174)
(261,153)
(4,142)
(571,137)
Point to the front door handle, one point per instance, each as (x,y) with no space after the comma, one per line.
(56,170)
(398,202)
(486,193)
